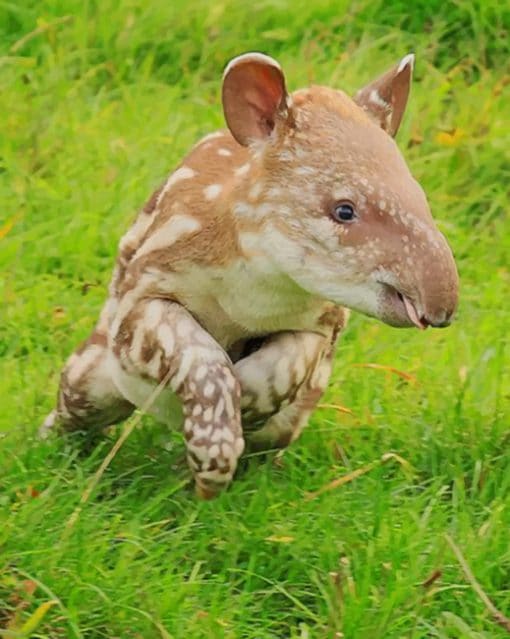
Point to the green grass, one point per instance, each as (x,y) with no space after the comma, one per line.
(96,107)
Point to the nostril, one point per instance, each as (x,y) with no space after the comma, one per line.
(437,324)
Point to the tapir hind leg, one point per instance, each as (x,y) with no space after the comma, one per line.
(87,397)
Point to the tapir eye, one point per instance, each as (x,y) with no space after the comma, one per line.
(344,212)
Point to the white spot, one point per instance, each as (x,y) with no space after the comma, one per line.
(81,364)
(187,359)
(176,227)
(166,338)
(153,316)
(184,327)
(201,372)
(229,405)
(208,414)
(226,450)
(225,152)
(227,435)
(256,190)
(250,242)
(242,170)
(200,451)
(203,430)
(209,389)
(183,173)
(220,407)
(212,191)
(306,171)
(375,98)
(217,435)
(264,403)
(154,365)
(214,451)
(276,193)
(230,379)
(197,410)
(243,209)
(135,233)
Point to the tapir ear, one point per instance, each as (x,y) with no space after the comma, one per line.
(254,97)
(385,98)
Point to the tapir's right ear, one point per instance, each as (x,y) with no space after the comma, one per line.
(385,98)
(254,97)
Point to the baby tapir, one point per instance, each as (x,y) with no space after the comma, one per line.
(230,287)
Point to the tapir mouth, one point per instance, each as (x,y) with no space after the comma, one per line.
(412,313)
(400,310)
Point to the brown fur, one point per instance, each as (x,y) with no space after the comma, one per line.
(230,285)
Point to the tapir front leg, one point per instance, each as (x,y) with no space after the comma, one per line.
(282,382)
(159,340)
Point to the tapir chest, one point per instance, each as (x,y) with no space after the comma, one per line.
(237,302)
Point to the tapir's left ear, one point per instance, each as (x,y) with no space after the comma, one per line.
(254,97)
(385,99)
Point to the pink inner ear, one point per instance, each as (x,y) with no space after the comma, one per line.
(253,95)
(400,92)
(385,98)
(263,91)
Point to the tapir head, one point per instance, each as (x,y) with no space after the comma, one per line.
(339,210)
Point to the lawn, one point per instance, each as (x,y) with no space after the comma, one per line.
(98,102)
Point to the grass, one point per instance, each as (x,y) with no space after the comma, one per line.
(99,101)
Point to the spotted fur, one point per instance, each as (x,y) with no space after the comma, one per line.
(231,282)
